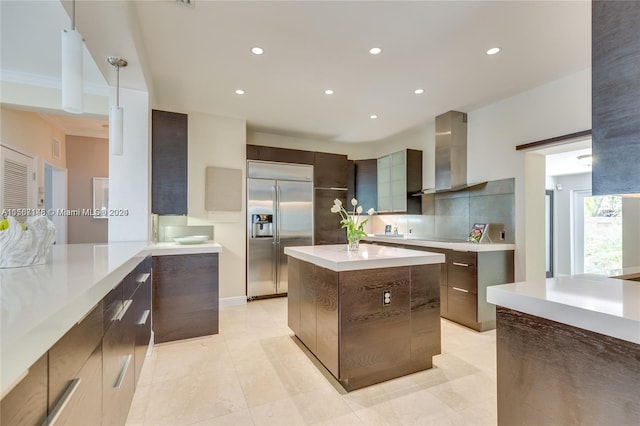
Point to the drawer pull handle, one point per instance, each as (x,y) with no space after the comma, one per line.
(123,372)
(466,265)
(144,317)
(124,310)
(461,289)
(62,403)
(142,278)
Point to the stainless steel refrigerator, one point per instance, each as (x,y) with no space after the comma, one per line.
(279,214)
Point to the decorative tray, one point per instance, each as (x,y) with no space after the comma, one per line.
(193,239)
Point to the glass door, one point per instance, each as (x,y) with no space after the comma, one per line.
(597,242)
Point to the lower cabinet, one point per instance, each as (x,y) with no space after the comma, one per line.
(26,403)
(118,362)
(185,296)
(88,376)
(464,278)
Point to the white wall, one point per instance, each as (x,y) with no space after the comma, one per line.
(219,141)
(563,222)
(556,108)
(130,174)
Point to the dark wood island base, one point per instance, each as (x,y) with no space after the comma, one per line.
(342,319)
(551,373)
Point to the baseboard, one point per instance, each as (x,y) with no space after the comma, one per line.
(233,301)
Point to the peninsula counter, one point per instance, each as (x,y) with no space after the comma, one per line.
(367,316)
(568,351)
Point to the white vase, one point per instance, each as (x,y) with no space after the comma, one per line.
(26,247)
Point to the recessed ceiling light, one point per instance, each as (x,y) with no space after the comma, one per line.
(493,51)
(328,92)
(418,91)
(373,116)
(257,51)
(375,50)
(239,92)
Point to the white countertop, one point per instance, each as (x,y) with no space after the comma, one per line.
(459,246)
(40,303)
(592,302)
(168,249)
(337,258)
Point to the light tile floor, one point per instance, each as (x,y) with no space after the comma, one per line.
(256,373)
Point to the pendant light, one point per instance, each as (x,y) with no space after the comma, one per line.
(116,111)
(72,67)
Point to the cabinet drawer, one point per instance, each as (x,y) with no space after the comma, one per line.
(71,352)
(461,305)
(118,372)
(26,403)
(462,271)
(80,403)
(111,306)
(142,324)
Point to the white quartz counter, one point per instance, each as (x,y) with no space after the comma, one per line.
(40,303)
(592,302)
(168,249)
(460,246)
(337,258)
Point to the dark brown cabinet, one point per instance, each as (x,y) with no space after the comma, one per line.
(26,403)
(615,96)
(330,171)
(75,373)
(366,183)
(185,296)
(282,155)
(142,315)
(464,278)
(169,163)
(118,366)
(326,225)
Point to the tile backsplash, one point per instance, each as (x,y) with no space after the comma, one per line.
(451,215)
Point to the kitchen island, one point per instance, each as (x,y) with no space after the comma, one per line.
(367,316)
(568,351)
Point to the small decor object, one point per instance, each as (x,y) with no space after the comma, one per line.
(25,245)
(478,232)
(193,239)
(351,221)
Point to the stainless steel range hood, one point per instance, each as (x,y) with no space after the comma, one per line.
(451,153)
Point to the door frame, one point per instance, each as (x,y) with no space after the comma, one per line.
(59,181)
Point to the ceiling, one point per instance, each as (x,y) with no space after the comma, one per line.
(193,58)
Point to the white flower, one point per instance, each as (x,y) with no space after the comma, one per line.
(337,202)
(354,202)
(359,209)
(371,211)
(335,208)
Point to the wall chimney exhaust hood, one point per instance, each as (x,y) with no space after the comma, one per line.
(451,154)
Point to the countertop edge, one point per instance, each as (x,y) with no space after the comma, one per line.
(424,258)
(461,246)
(171,249)
(609,325)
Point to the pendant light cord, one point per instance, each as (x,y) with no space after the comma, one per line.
(118,86)
(73,15)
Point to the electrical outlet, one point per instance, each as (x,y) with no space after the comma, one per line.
(503,235)
(386,297)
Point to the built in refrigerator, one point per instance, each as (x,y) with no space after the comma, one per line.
(279,214)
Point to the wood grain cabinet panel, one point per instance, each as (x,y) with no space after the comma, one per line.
(185,296)
(615,96)
(280,155)
(26,403)
(70,353)
(84,405)
(330,170)
(326,225)
(169,148)
(366,183)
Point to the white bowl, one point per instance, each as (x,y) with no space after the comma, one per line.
(193,239)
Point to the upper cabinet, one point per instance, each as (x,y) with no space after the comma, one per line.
(366,183)
(616,97)
(169,163)
(330,170)
(399,177)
